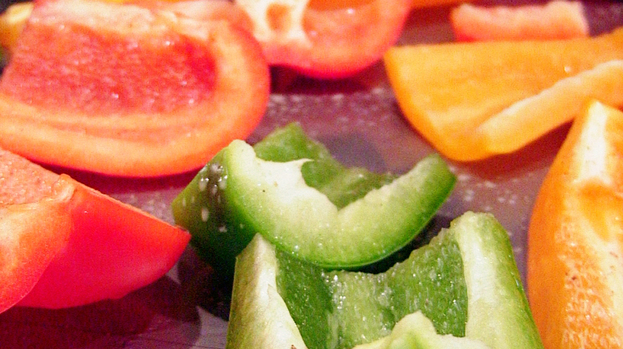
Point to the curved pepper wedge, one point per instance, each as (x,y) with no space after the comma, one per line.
(464,284)
(326,39)
(27,249)
(125,90)
(575,236)
(476,100)
(289,188)
(64,244)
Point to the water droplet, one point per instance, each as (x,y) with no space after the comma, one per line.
(203,183)
(222,183)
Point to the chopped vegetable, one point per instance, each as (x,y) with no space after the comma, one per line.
(305,202)
(326,39)
(554,20)
(12,21)
(28,248)
(125,90)
(574,237)
(465,282)
(342,185)
(477,100)
(64,244)
(417,331)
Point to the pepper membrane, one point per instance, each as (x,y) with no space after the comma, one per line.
(465,282)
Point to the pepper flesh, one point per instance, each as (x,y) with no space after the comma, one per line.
(321,40)
(64,244)
(239,193)
(125,90)
(316,38)
(465,281)
(554,20)
(473,101)
(575,236)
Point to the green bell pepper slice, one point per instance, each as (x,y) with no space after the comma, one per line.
(464,284)
(291,190)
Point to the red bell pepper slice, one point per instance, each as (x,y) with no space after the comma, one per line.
(125,90)
(326,39)
(64,244)
(27,249)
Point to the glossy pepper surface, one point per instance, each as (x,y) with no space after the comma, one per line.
(127,90)
(289,188)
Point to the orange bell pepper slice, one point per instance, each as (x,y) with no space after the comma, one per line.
(64,244)
(554,20)
(476,100)
(326,39)
(575,237)
(125,90)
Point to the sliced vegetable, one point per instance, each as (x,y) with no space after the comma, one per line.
(12,21)
(417,331)
(125,90)
(305,202)
(574,238)
(64,244)
(465,282)
(26,249)
(326,39)
(554,20)
(342,185)
(477,100)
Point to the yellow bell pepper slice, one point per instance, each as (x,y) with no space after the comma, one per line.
(12,20)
